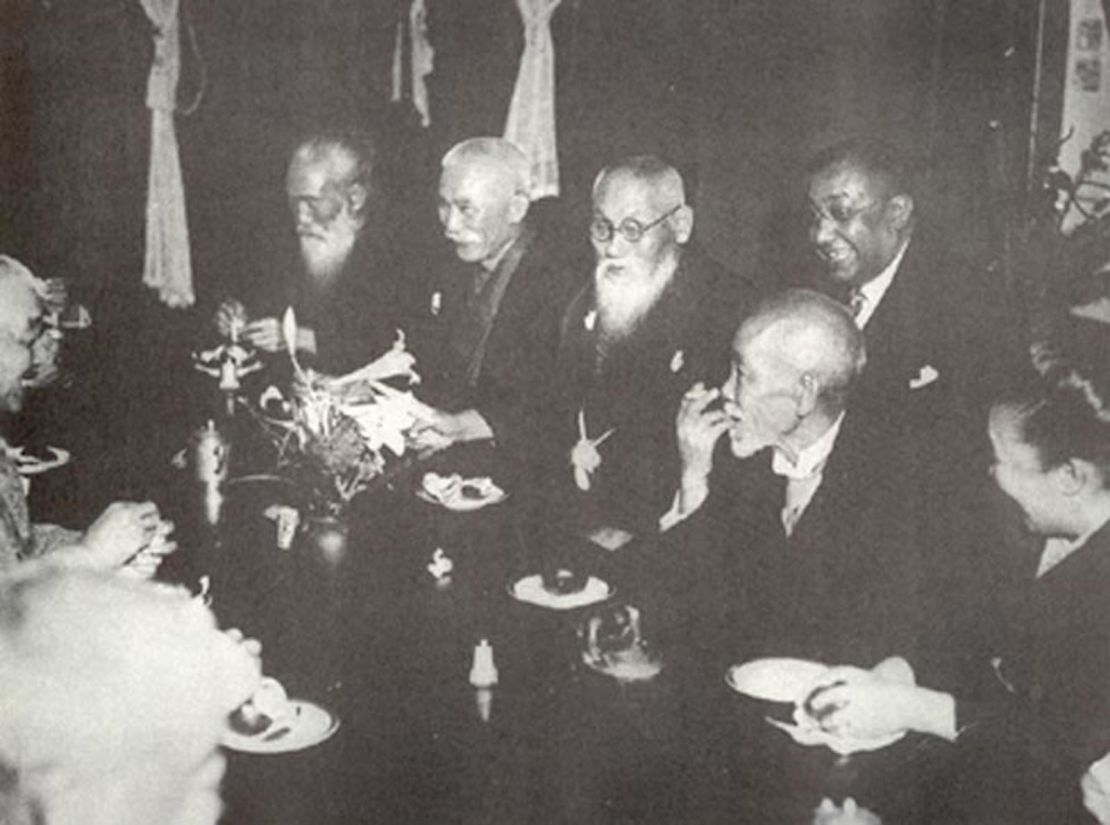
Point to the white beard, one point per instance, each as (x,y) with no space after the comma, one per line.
(622,305)
(325,249)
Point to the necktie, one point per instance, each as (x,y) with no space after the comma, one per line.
(856,302)
(800,489)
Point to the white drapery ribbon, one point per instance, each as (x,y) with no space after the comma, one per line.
(531,121)
(167,267)
(421,63)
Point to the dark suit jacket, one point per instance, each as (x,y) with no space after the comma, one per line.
(940,315)
(1034,726)
(847,586)
(684,339)
(520,350)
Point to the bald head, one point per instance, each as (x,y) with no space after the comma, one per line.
(794,361)
(499,158)
(808,333)
(484,192)
(656,177)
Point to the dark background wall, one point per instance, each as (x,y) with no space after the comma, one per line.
(734,92)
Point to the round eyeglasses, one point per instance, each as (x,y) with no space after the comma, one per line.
(602,229)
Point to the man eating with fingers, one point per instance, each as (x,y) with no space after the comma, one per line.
(805,520)
(129,536)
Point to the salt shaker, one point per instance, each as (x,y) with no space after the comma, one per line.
(483,673)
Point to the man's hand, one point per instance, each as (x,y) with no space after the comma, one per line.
(859,703)
(145,563)
(437,429)
(697,428)
(231,314)
(266,334)
(123,530)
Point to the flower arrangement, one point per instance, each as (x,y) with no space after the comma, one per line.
(336,435)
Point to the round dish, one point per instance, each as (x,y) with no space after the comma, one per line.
(530,590)
(30,466)
(775,679)
(461,504)
(308,724)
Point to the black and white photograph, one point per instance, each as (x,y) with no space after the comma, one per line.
(554,412)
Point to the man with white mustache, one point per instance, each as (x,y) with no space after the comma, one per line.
(655,317)
(486,331)
(344,294)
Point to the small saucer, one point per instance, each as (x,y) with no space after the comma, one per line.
(459,503)
(30,465)
(306,725)
(530,590)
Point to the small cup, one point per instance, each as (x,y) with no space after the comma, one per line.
(287,521)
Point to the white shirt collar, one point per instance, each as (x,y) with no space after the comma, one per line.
(874,290)
(811,459)
(1057,549)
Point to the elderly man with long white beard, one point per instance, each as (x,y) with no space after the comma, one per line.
(345,292)
(655,318)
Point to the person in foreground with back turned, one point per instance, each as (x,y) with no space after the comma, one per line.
(115,695)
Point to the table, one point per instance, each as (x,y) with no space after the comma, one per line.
(372,638)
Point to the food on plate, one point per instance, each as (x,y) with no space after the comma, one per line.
(269,704)
(563,582)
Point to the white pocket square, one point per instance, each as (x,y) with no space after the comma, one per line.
(925,376)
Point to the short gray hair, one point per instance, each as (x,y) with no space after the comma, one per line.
(824,340)
(656,174)
(358,146)
(498,151)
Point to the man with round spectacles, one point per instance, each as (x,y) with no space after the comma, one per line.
(654,319)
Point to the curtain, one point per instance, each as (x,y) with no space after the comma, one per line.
(531,121)
(421,60)
(168,265)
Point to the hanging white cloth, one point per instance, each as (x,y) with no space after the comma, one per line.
(422,60)
(531,121)
(168,265)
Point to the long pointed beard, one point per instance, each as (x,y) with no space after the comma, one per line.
(623,304)
(325,250)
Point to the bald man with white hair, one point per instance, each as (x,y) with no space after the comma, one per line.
(812,515)
(489,322)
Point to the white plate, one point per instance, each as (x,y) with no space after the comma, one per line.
(308,724)
(775,680)
(530,590)
(461,504)
(31,466)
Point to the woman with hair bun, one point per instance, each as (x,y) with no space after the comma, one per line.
(1025,738)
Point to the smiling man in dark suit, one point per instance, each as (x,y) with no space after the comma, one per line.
(942,339)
